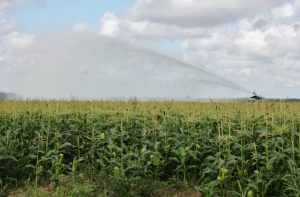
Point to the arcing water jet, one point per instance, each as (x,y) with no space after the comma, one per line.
(91,66)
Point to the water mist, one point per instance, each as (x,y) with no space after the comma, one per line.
(87,65)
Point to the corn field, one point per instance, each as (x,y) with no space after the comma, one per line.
(217,148)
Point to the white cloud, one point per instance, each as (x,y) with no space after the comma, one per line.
(8,61)
(112,25)
(245,53)
(10,40)
(152,29)
(284,11)
(196,13)
(6,5)
(109,24)
(17,40)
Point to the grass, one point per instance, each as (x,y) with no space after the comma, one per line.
(101,148)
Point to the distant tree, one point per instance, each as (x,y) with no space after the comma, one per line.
(8,96)
(2,95)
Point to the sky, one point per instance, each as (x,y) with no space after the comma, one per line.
(150,49)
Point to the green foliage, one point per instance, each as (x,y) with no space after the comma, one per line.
(222,149)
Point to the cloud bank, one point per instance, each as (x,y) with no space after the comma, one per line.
(193,13)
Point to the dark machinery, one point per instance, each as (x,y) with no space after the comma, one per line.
(256,97)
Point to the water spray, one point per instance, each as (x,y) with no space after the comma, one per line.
(222,81)
(91,66)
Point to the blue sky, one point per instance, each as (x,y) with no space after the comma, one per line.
(42,16)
